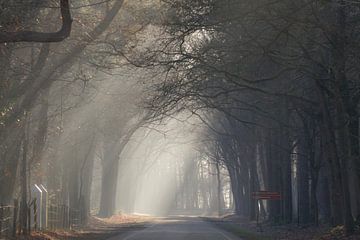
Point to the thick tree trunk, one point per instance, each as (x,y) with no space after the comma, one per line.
(213,188)
(110,169)
(324,196)
(40,137)
(355,161)
(302,172)
(274,173)
(339,75)
(253,187)
(331,155)
(10,155)
(235,189)
(219,190)
(24,184)
(73,178)
(86,175)
(286,179)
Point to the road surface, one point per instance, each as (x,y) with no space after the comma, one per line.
(178,228)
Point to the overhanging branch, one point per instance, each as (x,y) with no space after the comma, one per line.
(33,36)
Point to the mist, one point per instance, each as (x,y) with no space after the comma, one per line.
(184,119)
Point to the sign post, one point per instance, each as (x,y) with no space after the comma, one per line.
(264,195)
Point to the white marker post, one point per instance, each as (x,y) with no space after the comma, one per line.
(37,193)
(44,207)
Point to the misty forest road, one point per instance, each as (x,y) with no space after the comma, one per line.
(179,228)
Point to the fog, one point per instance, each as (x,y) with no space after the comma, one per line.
(154,163)
(161,168)
(182,107)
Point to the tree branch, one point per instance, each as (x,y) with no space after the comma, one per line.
(33,36)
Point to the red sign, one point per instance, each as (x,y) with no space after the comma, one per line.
(266,195)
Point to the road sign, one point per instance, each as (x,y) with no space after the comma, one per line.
(266,195)
(263,195)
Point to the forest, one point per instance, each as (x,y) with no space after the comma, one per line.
(193,117)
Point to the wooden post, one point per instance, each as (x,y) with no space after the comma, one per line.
(257,212)
(64,216)
(57,216)
(67,217)
(8,220)
(61,217)
(29,220)
(258,207)
(16,209)
(50,219)
(35,215)
(1,217)
(70,217)
(63,209)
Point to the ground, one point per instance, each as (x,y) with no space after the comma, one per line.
(98,229)
(191,228)
(179,228)
(267,231)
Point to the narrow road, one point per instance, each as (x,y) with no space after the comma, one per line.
(178,228)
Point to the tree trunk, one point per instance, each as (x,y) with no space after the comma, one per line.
(219,190)
(339,75)
(235,189)
(274,173)
(324,196)
(253,188)
(86,175)
(303,175)
(10,155)
(286,179)
(23,186)
(110,168)
(355,160)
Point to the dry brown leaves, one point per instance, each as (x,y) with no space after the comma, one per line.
(97,229)
(293,232)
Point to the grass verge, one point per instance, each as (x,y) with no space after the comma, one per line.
(236,230)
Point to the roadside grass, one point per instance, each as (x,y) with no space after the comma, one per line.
(239,232)
(310,233)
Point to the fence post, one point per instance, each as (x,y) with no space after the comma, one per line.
(16,209)
(35,215)
(50,217)
(63,217)
(58,225)
(8,220)
(1,217)
(60,218)
(70,217)
(29,219)
(67,217)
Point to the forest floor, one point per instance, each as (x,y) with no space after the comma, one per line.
(101,229)
(250,231)
(97,229)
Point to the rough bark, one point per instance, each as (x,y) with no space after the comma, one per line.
(109,181)
(303,176)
